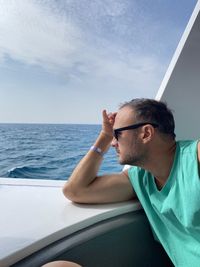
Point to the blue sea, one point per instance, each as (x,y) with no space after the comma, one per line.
(48,151)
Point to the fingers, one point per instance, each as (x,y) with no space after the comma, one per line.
(109,117)
(108,122)
(105,116)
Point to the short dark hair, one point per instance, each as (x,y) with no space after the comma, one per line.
(153,111)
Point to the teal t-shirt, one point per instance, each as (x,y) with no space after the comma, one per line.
(174,211)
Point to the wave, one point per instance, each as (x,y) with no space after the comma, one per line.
(29,172)
(41,151)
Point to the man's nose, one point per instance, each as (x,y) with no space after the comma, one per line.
(114,142)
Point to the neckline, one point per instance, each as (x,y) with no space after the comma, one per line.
(167,186)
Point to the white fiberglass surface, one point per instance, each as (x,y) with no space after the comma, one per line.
(180,86)
(34,214)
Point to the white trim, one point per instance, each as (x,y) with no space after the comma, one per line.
(178,51)
(30,182)
(35,213)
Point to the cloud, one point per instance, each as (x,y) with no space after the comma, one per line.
(90,42)
(114,8)
(32,34)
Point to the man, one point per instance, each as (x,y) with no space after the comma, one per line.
(164,175)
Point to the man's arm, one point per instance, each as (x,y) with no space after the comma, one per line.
(84,186)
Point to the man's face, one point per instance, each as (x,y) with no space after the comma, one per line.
(129,146)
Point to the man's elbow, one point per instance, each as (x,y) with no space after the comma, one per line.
(70,193)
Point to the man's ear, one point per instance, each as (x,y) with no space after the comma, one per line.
(148,132)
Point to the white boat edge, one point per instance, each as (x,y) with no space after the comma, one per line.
(178,52)
(22,235)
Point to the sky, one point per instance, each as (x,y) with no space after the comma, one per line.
(64,61)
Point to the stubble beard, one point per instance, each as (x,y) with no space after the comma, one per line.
(135,157)
(134,160)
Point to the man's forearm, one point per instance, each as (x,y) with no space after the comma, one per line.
(86,171)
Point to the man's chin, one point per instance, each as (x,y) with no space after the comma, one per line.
(120,161)
(125,162)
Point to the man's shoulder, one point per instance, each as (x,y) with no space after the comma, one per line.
(187,141)
(189,148)
(184,144)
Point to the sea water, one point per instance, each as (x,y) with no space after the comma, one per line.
(48,151)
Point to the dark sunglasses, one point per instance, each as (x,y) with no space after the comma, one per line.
(131,127)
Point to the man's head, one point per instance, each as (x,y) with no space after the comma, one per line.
(145,117)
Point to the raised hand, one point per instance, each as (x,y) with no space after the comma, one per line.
(108,122)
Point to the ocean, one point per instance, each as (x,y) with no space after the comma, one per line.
(48,151)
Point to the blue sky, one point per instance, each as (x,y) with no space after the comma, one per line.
(65,61)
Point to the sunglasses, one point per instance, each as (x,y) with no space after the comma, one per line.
(117,131)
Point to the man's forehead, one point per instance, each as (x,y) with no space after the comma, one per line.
(125,116)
